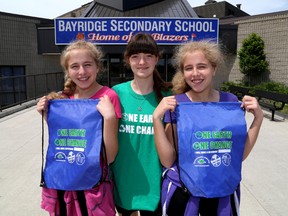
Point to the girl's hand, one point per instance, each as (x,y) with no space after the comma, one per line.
(250,104)
(106,108)
(167,103)
(42,105)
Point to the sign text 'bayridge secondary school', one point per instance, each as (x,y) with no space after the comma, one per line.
(166,31)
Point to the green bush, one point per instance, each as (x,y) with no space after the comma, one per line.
(267,86)
(252,58)
(225,86)
(273,87)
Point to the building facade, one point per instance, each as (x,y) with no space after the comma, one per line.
(28,44)
(273,28)
(116,72)
(19,58)
(236,26)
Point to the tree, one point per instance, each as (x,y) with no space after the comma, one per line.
(252,58)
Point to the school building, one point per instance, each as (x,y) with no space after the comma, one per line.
(30,46)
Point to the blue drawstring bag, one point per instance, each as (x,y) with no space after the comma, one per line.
(211,141)
(75,143)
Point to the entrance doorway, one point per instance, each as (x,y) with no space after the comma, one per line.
(116,72)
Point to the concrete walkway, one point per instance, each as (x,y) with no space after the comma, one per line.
(265,171)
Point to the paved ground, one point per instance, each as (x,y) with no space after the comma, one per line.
(265,172)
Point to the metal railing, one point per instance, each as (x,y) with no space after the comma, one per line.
(16,90)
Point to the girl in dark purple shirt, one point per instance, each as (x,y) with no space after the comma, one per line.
(196,65)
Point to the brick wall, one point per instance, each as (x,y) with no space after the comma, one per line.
(274,31)
(18,47)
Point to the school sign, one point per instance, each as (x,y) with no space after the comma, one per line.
(111,31)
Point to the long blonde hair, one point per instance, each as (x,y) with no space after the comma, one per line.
(95,52)
(210,49)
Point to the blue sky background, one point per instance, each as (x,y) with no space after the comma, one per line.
(54,8)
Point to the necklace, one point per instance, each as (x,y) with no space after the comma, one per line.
(142,102)
(138,91)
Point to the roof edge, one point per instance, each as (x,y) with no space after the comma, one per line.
(190,9)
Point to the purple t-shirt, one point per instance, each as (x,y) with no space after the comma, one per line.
(224,97)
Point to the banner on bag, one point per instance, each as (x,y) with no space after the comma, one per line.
(74,146)
(211,141)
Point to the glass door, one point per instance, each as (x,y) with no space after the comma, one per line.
(118,72)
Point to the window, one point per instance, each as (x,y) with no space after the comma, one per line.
(12,85)
(165,68)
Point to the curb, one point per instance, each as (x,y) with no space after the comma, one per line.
(14,109)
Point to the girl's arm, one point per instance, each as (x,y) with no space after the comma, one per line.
(163,137)
(110,128)
(251,105)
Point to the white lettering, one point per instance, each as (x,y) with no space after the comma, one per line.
(81,26)
(126,128)
(145,130)
(61,25)
(140,25)
(145,118)
(132,117)
(193,26)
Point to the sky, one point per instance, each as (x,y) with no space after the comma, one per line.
(53,8)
